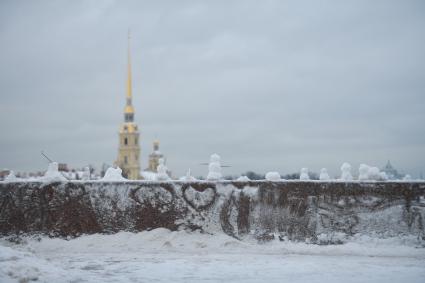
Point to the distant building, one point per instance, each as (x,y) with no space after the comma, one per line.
(63,167)
(129,150)
(4,173)
(151,173)
(154,157)
(391,172)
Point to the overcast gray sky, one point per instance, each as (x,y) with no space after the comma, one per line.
(268,85)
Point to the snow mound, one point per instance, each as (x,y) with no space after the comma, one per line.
(148,175)
(162,239)
(161,255)
(214,168)
(346,172)
(363,172)
(304,174)
(243,179)
(52,174)
(22,266)
(11,177)
(146,241)
(273,176)
(370,173)
(407,178)
(324,176)
(113,174)
(162,171)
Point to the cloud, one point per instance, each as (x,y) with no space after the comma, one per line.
(276,85)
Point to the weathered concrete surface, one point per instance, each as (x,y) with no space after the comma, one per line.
(294,210)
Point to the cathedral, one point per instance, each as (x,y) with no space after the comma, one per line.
(129,149)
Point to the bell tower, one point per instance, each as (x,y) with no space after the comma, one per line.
(129,150)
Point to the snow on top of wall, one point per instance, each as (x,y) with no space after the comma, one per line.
(304,174)
(11,177)
(148,175)
(324,176)
(113,174)
(52,174)
(214,168)
(243,179)
(162,171)
(188,177)
(273,176)
(370,173)
(346,172)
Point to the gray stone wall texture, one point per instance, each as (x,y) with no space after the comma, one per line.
(313,211)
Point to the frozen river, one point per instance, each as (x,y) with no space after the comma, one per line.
(164,256)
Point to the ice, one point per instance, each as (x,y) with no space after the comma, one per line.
(161,255)
(162,171)
(214,168)
(52,174)
(324,176)
(273,176)
(304,174)
(113,174)
(243,179)
(346,172)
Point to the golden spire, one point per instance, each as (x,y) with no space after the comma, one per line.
(129,107)
(129,69)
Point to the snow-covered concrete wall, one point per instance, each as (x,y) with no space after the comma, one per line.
(315,211)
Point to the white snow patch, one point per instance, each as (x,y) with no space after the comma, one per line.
(148,175)
(164,256)
(214,168)
(407,178)
(243,179)
(370,173)
(11,177)
(19,264)
(188,177)
(346,172)
(304,174)
(52,174)
(273,176)
(113,174)
(252,192)
(324,176)
(162,171)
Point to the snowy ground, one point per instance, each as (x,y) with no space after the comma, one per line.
(164,256)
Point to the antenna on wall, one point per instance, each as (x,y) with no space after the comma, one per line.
(45,156)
